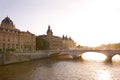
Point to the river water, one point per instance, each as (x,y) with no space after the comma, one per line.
(47,69)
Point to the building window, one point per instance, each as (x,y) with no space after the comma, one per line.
(3,39)
(3,45)
(13,46)
(10,30)
(8,39)
(17,46)
(21,46)
(8,46)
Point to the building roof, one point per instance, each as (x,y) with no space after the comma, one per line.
(7,23)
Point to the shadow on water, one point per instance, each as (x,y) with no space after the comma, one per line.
(19,70)
(28,66)
(108,63)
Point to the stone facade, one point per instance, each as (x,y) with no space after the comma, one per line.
(12,39)
(58,43)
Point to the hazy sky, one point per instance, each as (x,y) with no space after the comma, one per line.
(88,22)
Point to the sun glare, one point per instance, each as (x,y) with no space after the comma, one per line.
(103,75)
(116,58)
(93,56)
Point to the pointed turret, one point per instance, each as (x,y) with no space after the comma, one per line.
(63,37)
(70,38)
(49,31)
(66,37)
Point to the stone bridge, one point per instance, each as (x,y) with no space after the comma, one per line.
(74,53)
(7,58)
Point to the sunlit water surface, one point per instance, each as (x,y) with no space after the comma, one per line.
(47,69)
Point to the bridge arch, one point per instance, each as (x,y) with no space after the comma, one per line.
(109,53)
(92,56)
(116,58)
(110,56)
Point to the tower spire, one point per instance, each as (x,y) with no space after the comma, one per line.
(49,31)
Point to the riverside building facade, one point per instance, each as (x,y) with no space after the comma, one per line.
(57,43)
(12,39)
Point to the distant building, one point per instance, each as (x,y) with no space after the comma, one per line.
(57,43)
(12,39)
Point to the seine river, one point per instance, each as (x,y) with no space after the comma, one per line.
(47,69)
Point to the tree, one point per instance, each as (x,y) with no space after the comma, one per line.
(79,47)
(41,44)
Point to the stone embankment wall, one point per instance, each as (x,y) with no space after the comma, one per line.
(9,57)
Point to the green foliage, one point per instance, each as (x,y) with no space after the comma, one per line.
(41,44)
(80,47)
(110,46)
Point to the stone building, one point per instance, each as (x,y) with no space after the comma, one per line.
(57,43)
(12,39)
(68,43)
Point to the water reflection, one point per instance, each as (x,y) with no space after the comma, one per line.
(103,75)
(59,70)
(94,56)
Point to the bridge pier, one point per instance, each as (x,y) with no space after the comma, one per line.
(110,56)
(109,59)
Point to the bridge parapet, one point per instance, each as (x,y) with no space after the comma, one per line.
(74,52)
